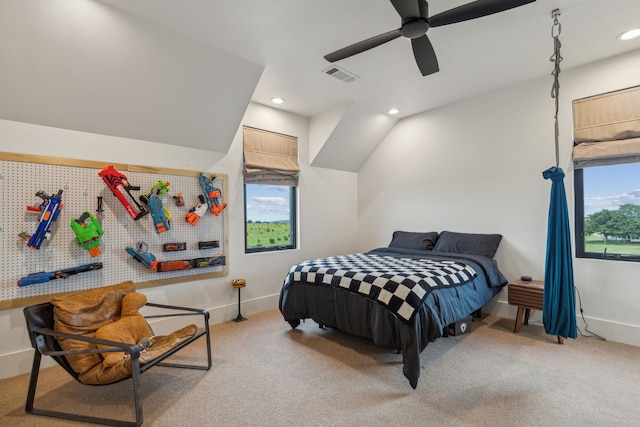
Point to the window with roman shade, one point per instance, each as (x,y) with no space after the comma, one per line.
(607,129)
(606,158)
(270,158)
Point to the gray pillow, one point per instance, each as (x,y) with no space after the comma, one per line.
(468,243)
(413,240)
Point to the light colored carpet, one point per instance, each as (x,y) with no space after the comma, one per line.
(266,374)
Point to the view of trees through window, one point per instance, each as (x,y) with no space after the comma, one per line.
(611,200)
(269,217)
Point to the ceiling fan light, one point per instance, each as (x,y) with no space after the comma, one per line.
(630,34)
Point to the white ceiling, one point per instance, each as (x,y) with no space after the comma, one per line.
(289,38)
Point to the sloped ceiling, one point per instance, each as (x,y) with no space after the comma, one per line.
(183,72)
(86,66)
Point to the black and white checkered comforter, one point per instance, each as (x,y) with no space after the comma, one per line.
(400,284)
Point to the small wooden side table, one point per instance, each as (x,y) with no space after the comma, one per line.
(526,295)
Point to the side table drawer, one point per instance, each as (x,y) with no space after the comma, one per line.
(526,295)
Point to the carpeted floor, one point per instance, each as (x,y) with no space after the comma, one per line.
(266,374)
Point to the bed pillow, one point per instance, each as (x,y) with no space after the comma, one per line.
(468,243)
(413,240)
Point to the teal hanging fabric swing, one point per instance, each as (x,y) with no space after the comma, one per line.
(558,307)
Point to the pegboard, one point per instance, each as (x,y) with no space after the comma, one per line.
(22,176)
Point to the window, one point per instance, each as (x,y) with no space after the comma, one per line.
(608,212)
(270,180)
(606,158)
(269,217)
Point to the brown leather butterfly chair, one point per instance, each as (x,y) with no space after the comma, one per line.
(40,325)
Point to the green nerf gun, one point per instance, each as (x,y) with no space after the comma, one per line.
(88,232)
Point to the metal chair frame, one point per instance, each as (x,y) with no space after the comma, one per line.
(39,318)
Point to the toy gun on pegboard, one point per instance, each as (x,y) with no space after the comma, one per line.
(150,262)
(211,261)
(143,256)
(212,195)
(49,212)
(160,214)
(120,187)
(44,277)
(196,212)
(88,232)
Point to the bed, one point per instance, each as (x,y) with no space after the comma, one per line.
(402,296)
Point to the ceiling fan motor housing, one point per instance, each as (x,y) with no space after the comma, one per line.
(414,28)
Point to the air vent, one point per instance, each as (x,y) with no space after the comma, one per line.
(341,74)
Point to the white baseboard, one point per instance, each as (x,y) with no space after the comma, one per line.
(607,329)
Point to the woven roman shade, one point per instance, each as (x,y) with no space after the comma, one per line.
(607,129)
(270,158)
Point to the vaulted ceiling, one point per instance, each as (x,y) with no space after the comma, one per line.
(183,72)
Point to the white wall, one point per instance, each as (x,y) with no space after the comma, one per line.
(327,208)
(476,166)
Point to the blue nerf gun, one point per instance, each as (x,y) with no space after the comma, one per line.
(43,277)
(142,256)
(49,211)
(212,195)
(160,214)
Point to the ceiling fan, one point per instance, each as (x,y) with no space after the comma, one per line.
(416,22)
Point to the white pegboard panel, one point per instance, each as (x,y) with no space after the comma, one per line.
(81,186)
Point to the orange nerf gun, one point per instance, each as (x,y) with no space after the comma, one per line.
(212,195)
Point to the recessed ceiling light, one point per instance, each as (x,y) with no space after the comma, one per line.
(631,34)
(393,111)
(277,100)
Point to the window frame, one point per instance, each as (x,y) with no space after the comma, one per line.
(578,189)
(293,226)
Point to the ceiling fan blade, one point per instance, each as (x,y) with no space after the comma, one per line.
(425,55)
(407,8)
(473,10)
(362,46)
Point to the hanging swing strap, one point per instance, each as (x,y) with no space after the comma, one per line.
(556,58)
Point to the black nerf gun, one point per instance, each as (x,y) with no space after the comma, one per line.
(121,188)
(44,277)
(49,211)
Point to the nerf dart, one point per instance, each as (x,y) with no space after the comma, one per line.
(212,195)
(49,211)
(174,265)
(88,232)
(208,244)
(208,261)
(43,277)
(120,187)
(171,247)
(197,212)
(142,256)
